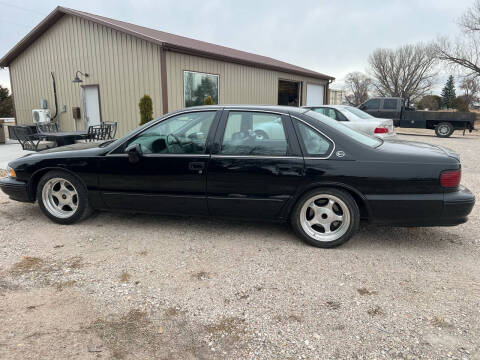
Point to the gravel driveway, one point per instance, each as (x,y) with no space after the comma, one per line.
(138,287)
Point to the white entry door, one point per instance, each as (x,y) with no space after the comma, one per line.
(91,98)
(315,94)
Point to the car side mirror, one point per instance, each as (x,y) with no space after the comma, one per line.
(134,152)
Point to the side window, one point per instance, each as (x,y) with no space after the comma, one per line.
(322,111)
(373,104)
(390,104)
(313,143)
(340,116)
(251,133)
(181,134)
(327,112)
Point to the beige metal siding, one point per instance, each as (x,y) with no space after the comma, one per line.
(335,97)
(124,67)
(238,84)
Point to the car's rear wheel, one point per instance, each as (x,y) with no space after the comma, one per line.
(62,197)
(326,217)
(444,129)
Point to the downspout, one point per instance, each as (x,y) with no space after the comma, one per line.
(326,91)
(55,97)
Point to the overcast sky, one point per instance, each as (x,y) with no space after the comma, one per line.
(334,37)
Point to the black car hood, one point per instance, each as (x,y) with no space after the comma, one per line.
(73,147)
(419,150)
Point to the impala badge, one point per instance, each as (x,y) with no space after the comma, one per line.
(340,153)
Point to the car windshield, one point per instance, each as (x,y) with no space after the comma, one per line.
(355,135)
(357,112)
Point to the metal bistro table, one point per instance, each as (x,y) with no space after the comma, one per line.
(63,138)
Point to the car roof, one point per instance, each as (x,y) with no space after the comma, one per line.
(274,108)
(327,105)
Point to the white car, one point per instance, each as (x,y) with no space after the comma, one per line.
(357,119)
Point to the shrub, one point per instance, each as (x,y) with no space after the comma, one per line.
(208,101)
(460,103)
(146,109)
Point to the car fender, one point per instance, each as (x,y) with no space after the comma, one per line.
(37,175)
(358,196)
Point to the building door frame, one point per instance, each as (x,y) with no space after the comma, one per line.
(312,85)
(84,103)
(299,89)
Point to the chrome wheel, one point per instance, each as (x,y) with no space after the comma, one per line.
(443,129)
(60,198)
(325,217)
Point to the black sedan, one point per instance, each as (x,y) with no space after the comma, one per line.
(252,162)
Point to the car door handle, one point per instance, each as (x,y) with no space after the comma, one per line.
(197,166)
(289,169)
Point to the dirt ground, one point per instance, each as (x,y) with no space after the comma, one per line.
(120,286)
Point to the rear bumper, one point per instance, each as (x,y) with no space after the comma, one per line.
(15,189)
(448,209)
(457,205)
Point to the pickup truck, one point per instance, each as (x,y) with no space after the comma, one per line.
(444,123)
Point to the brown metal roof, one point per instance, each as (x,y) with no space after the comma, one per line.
(168,41)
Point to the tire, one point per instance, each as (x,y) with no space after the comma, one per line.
(342,217)
(444,129)
(63,198)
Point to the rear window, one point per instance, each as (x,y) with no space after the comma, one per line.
(355,135)
(357,112)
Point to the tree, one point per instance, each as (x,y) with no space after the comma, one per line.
(407,72)
(471,88)
(460,103)
(448,93)
(357,86)
(6,103)
(146,109)
(430,102)
(196,93)
(462,53)
(206,88)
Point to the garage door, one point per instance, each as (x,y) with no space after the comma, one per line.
(314,94)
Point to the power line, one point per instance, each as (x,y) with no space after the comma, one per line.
(15,23)
(22,8)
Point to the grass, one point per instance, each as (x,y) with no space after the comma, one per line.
(26,265)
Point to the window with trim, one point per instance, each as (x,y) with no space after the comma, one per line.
(331,113)
(372,104)
(180,134)
(390,104)
(200,88)
(254,133)
(313,143)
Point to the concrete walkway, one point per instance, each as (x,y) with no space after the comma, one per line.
(9,151)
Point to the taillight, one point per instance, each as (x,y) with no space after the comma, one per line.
(450,178)
(380,130)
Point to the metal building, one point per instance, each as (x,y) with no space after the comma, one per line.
(125,61)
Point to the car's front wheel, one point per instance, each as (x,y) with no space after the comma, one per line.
(326,217)
(62,197)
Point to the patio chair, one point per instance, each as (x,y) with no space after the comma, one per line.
(97,133)
(112,129)
(48,127)
(31,141)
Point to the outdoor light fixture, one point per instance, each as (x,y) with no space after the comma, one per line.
(77,79)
